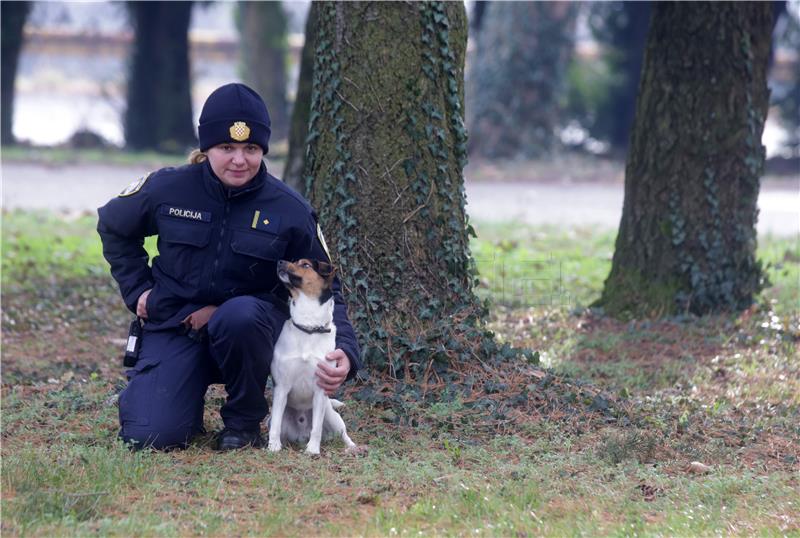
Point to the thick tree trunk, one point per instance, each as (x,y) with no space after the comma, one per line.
(687,238)
(293,173)
(13,16)
(263,29)
(384,169)
(517,79)
(159,113)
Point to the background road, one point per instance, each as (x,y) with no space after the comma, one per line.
(85,187)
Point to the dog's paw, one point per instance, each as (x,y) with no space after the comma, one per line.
(274,446)
(356,450)
(313,450)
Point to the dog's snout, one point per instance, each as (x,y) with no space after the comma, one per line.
(282,264)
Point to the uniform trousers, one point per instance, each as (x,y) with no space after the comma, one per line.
(162,405)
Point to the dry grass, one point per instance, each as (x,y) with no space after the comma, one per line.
(719,390)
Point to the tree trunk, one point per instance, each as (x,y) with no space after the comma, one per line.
(293,173)
(517,79)
(263,30)
(479,8)
(384,169)
(687,237)
(159,113)
(13,16)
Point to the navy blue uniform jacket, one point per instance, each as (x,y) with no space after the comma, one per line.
(214,243)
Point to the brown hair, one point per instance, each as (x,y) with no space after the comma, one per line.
(197,156)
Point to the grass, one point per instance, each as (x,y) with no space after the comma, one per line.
(57,156)
(106,156)
(722,390)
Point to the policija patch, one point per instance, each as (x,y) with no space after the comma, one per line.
(134,187)
(182,213)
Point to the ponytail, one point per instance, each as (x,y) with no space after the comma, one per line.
(197,156)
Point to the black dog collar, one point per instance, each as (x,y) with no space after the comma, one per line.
(313,330)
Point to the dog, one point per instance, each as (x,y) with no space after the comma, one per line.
(300,408)
(296,425)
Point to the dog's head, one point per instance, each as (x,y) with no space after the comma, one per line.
(312,278)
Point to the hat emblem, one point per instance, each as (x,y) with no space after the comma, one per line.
(240,131)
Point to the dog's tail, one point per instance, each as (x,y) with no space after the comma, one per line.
(336,403)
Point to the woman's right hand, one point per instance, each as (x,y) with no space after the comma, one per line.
(141,304)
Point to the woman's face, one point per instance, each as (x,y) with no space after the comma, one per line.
(235,163)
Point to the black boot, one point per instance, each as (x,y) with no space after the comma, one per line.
(230,439)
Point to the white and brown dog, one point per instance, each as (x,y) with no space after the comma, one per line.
(300,408)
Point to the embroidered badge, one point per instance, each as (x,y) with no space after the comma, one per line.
(322,241)
(240,131)
(134,187)
(182,213)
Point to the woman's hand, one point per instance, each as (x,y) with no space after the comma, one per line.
(199,318)
(331,374)
(141,304)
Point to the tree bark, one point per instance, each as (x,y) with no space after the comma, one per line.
(387,146)
(293,173)
(263,29)
(517,79)
(13,16)
(687,237)
(159,113)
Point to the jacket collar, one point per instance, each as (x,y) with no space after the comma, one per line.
(218,189)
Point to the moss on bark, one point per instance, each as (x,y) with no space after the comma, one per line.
(693,172)
(384,169)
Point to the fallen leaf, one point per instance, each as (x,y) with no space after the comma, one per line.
(699,468)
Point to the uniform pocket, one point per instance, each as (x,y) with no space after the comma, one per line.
(257,254)
(136,400)
(181,248)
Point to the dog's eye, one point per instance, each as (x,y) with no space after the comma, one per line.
(306,265)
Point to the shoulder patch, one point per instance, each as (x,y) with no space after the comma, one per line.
(322,241)
(134,187)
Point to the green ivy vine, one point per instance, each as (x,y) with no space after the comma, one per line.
(453,332)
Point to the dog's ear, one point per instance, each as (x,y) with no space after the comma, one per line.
(326,270)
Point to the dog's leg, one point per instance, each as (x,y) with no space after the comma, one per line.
(334,421)
(279,397)
(317,419)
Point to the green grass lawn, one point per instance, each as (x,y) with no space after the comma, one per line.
(721,390)
(59,156)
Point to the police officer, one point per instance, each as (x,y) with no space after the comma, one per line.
(212,303)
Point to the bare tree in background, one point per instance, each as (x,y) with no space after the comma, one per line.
(518,76)
(264,46)
(159,112)
(621,27)
(13,16)
(293,173)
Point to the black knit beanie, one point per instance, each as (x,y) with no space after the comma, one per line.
(234,113)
